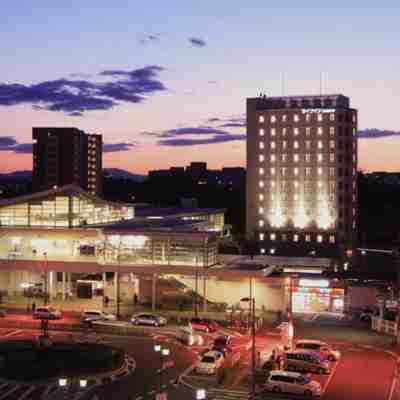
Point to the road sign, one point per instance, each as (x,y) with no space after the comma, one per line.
(168,364)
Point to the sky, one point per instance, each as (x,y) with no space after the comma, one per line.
(165,82)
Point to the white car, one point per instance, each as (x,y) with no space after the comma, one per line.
(96,315)
(292,382)
(189,338)
(210,362)
(47,312)
(322,348)
(148,319)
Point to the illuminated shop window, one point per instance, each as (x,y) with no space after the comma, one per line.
(332,239)
(308,238)
(272,236)
(295,237)
(261,236)
(319,238)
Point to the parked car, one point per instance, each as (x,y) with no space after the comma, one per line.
(202,324)
(188,337)
(148,319)
(223,344)
(320,347)
(47,312)
(304,360)
(292,382)
(210,362)
(97,315)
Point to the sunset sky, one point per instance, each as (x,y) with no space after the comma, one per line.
(165,82)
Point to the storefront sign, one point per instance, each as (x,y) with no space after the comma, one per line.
(314,283)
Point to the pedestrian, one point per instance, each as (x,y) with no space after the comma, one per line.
(135,299)
(106,301)
(33,307)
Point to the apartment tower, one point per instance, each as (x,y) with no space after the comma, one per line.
(63,156)
(301,174)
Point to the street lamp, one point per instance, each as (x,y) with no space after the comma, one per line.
(63,382)
(252,303)
(164,352)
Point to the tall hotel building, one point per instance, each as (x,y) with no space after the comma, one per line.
(63,156)
(301,174)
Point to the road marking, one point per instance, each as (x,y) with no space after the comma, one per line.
(330,377)
(13,389)
(27,392)
(13,333)
(392,387)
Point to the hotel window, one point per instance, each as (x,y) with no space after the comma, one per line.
(296,131)
(308,131)
(273,118)
(320,157)
(261,171)
(261,197)
(273,145)
(261,118)
(273,157)
(295,184)
(295,237)
(331,157)
(308,238)
(320,145)
(272,196)
(295,144)
(332,239)
(272,171)
(354,131)
(331,116)
(295,197)
(284,118)
(272,184)
(261,184)
(332,131)
(319,131)
(273,131)
(296,118)
(261,132)
(284,143)
(331,144)
(319,170)
(354,212)
(319,238)
(295,157)
(261,158)
(354,171)
(272,236)
(261,236)
(320,117)
(284,157)
(283,132)
(308,157)
(331,197)
(308,144)
(331,171)
(332,186)
(261,146)
(283,186)
(260,223)
(308,171)
(261,210)
(319,184)
(308,117)
(296,171)
(283,171)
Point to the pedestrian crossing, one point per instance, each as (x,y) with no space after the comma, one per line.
(227,394)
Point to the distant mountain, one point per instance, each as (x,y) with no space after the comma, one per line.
(118,173)
(17,176)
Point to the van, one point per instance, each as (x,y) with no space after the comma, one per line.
(305,361)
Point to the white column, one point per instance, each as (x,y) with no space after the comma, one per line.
(51,285)
(115,287)
(104,287)
(63,286)
(204,293)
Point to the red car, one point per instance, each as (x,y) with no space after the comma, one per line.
(205,325)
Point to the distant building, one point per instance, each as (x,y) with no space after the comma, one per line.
(63,156)
(197,170)
(301,172)
(234,176)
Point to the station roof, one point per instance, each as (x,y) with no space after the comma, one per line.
(175,212)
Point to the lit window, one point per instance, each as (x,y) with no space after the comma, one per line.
(284,118)
(261,132)
(261,223)
(332,186)
(262,251)
(295,197)
(354,212)
(354,131)
(319,184)
(296,171)
(308,157)
(331,144)
(272,184)
(273,131)
(296,144)
(308,144)
(261,118)
(295,237)
(261,210)
(283,186)
(272,196)
(272,236)
(273,145)
(261,184)
(284,144)
(331,157)
(320,144)
(284,237)
(296,118)
(319,131)
(320,157)
(261,171)
(308,132)
(308,171)
(283,132)
(283,171)
(261,158)
(273,158)
(296,184)
(284,157)
(295,157)
(319,238)
(308,117)
(331,171)
(273,118)
(331,116)
(319,171)
(308,238)
(320,117)
(261,197)
(332,131)
(296,131)
(331,238)
(354,171)
(261,236)
(272,171)
(261,146)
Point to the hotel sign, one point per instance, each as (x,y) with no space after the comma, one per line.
(317,110)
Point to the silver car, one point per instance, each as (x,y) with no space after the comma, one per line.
(148,319)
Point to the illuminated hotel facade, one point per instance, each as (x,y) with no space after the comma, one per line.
(301,173)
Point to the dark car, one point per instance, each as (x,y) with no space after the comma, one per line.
(202,324)
(223,344)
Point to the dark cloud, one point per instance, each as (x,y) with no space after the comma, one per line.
(23,148)
(196,42)
(233,125)
(214,119)
(235,121)
(188,131)
(147,39)
(376,133)
(75,97)
(117,147)
(7,141)
(193,142)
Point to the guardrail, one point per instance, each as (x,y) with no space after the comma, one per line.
(384,326)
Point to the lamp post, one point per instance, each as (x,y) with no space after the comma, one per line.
(164,352)
(252,303)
